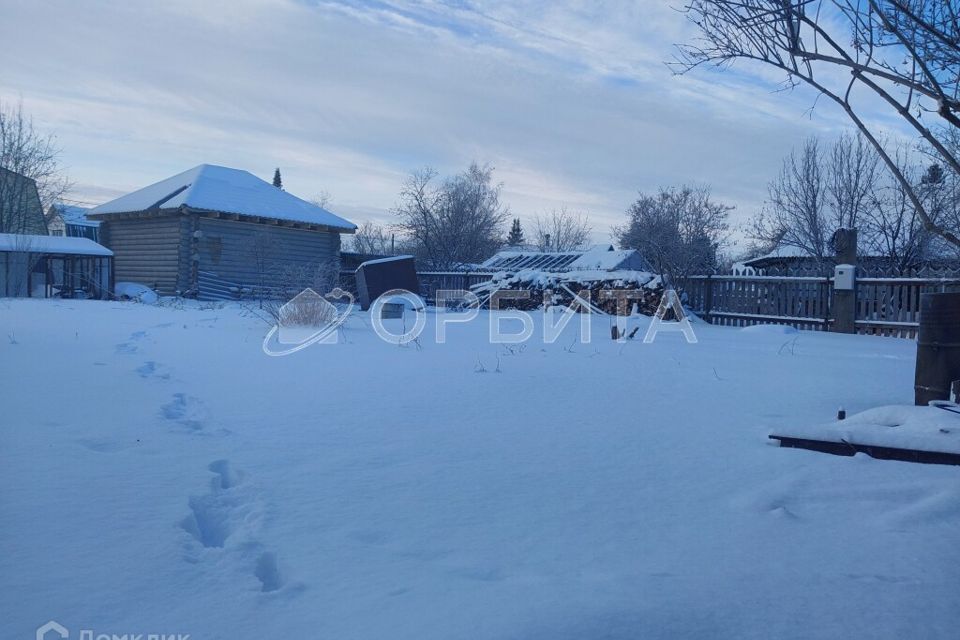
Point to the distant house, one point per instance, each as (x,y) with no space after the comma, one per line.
(213,231)
(20,208)
(71,221)
(794,261)
(42,266)
(599,258)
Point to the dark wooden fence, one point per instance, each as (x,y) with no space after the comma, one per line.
(884,306)
(891,306)
(430,281)
(433,281)
(740,301)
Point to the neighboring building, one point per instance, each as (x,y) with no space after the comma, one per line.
(20,208)
(213,230)
(793,261)
(601,257)
(42,266)
(72,222)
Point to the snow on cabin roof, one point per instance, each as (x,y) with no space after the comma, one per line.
(10,242)
(213,188)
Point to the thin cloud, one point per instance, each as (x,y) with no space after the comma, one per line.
(571,101)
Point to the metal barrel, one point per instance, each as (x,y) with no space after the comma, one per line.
(938,346)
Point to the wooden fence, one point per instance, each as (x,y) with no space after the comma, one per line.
(891,306)
(433,281)
(430,281)
(740,301)
(884,306)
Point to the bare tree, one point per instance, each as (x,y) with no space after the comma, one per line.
(853,173)
(29,169)
(321,199)
(459,221)
(893,228)
(279,280)
(372,239)
(817,193)
(948,191)
(561,230)
(906,53)
(678,230)
(795,214)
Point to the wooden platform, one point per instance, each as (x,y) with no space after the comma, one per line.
(882,453)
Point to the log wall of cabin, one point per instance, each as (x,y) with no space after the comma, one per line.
(232,250)
(150,250)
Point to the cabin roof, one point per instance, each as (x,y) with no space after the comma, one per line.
(72,214)
(216,189)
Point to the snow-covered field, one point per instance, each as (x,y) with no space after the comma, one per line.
(160,474)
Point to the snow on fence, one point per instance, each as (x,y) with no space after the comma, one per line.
(884,306)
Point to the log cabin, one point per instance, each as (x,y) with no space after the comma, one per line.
(212,232)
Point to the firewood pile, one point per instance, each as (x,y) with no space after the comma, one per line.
(558,289)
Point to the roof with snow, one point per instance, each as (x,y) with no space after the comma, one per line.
(75,215)
(54,245)
(939,251)
(215,189)
(601,257)
(367,263)
(782,252)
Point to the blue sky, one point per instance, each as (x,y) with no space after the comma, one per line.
(570,100)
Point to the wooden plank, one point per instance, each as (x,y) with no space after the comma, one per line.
(881,453)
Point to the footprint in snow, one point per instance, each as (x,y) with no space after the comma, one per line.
(227,520)
(225,509)
(186,410)
(267,571)
(151,369)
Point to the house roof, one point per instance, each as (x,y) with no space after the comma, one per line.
(75,215)
(20,211)
(59,245)
(212,188)
(782,252)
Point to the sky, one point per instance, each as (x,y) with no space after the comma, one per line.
(570,101)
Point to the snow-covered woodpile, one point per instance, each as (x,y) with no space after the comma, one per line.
(597,287)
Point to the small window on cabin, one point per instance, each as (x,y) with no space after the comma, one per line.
(215,247)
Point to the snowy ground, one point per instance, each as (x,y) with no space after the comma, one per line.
(160,474)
